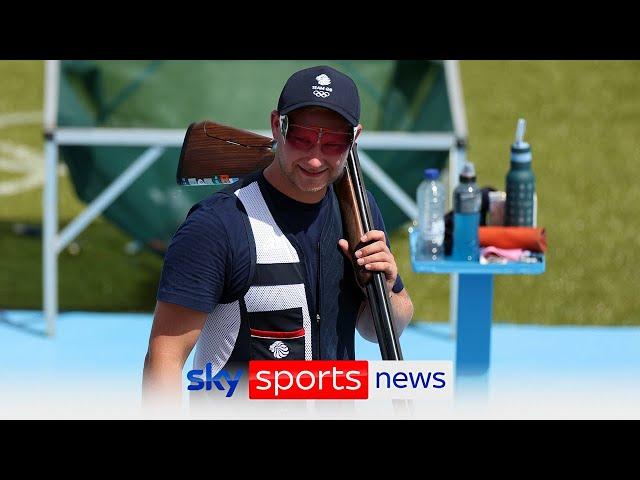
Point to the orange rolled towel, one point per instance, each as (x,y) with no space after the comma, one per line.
(527,238)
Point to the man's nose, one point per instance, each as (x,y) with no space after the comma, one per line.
(314,160)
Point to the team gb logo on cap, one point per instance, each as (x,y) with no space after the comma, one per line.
(322,90)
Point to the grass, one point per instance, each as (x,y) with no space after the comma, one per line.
(582,119)
(581,122)
(102,276)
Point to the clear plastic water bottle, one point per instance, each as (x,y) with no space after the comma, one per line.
(521,183)
(467,200)
(431,205)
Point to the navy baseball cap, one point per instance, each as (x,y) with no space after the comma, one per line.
(321,86)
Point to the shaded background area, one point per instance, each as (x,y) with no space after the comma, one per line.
(395,96)
(581,118)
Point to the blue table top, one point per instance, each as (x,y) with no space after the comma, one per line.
(452,266)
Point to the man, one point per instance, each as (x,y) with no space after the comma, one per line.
(261,270)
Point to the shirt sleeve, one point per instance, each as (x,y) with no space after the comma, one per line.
(196,262)
(378,222)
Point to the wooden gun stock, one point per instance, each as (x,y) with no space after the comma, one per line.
(214,154)
(352,222)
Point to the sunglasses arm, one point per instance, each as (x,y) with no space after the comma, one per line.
(284,127)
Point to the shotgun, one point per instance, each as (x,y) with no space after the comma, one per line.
(216,154)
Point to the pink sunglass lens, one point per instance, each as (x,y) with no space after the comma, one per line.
(332,143)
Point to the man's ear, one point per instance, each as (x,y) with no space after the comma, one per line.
(275,124)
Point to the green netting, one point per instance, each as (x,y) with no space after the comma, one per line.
(395,96)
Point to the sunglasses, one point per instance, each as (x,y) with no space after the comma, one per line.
(304,138)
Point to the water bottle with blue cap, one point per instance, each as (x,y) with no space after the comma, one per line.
(521,183)
(431,205)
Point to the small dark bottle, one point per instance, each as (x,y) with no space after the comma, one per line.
(521,183)
(467,200)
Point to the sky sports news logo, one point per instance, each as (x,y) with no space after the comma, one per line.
(350,380)
(223,381)
(331,380)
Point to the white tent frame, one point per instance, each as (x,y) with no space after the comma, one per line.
(54,241)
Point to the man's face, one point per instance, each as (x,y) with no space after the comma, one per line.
(310,165)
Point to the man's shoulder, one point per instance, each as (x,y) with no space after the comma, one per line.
(214,225)
(223,203)
(215,207)
(222,199)
(376,213)
(372,200)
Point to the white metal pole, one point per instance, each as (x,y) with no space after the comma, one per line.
(50,228)
(388,186)
(107,196)
(434,141)
(453,305)
(453,278)
(50,197)
(51,92)
(456,98)
(457,158)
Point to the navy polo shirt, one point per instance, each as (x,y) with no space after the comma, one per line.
(208,260)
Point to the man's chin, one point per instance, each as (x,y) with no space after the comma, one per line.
(311,187)
(307,184)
